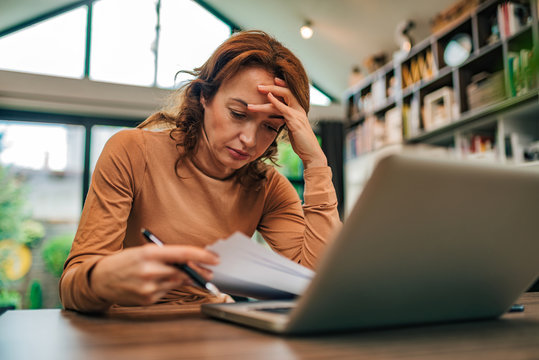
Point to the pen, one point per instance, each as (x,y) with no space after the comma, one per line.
(199,280)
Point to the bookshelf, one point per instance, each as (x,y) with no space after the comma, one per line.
(485,106)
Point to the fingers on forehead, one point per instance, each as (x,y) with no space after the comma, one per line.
(267,107)
(280,82)
(277,89)
(279,104)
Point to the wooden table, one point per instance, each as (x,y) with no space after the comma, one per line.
(186,334)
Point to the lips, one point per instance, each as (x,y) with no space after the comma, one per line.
(238,154)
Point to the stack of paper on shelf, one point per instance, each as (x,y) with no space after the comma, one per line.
(485,88)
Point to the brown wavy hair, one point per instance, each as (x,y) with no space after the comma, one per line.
(185,113)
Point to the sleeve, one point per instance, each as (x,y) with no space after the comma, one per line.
(300,232)
(101,231)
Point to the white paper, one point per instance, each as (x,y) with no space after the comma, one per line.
(248,269)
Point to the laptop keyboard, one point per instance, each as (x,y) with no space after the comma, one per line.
(276,310)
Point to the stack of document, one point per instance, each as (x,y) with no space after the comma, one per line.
(249,269)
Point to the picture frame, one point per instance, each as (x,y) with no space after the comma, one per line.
(438,108)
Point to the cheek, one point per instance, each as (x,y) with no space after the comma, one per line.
(214,120)
(263,142)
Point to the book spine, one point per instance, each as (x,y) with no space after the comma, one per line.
(506,20)
(511,75)
(501,22)
(511,18)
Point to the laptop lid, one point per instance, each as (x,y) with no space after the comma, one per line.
(429,240)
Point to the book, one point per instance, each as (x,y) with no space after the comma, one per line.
(379,92)
(511,17)
(501,20)
(406,77)
(520,72)
(249,269)
(430,64)
(393,126)
(406,130)
(414,70)
(350,141)
(414,119)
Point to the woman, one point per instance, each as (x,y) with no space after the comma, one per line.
(200,179)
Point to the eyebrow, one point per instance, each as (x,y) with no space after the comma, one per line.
(271,116)
(240,101)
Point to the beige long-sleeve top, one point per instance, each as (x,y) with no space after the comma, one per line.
(135,185)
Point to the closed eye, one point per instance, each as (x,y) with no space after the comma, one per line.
(237,115)
(272,128)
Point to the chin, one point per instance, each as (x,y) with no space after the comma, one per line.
(237,166)
(234,164)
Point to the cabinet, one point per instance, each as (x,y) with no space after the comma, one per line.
(484,105)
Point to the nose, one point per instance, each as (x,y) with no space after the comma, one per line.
(248,134)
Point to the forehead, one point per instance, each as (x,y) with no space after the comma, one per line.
(244,83)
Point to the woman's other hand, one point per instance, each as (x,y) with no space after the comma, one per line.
(142,275)
(302,137)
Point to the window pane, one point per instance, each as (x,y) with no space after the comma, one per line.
(318,98)
(189,34)
(51,47)
(123,32)
(40,195)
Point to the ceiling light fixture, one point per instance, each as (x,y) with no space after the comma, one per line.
(306,30)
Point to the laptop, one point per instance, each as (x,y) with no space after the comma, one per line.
(428,241)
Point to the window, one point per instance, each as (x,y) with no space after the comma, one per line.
(123,36)
(52,47)
(189,34)
(40,196)
(319,98)
(125,46)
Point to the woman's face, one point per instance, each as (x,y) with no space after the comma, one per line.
(235,135)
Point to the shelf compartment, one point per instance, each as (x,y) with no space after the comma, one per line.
(437,102)
(521,135)
(487,23)
(417,68)
(481,80)
(523,38)
(479,143)
(513,16)
(521,74)
(463,28)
